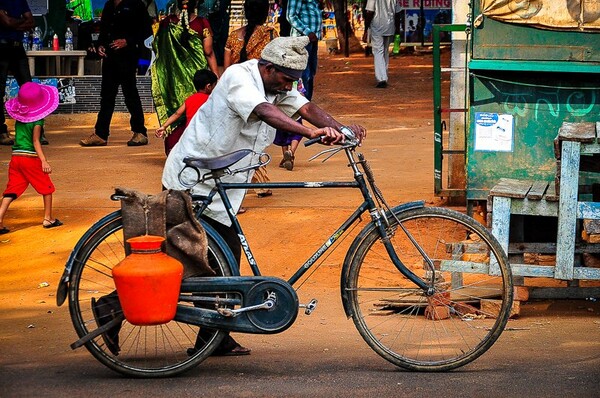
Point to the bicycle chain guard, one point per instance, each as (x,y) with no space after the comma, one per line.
(219,296)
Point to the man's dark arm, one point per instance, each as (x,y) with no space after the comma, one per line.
(368,19)
(271,115)
(24,23)
(317,116)
(327,126)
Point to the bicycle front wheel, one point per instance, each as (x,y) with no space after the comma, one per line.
(143,351)
(453,326)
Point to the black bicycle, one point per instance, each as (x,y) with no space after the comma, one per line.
(428,288)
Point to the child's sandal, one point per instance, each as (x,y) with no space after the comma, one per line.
(51,224)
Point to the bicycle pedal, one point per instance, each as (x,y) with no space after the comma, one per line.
(310,307)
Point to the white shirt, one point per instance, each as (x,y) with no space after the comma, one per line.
(226,123)
(383,20)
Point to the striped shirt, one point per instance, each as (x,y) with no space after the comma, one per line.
(305,16)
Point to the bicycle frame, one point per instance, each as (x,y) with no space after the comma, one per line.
(367,205)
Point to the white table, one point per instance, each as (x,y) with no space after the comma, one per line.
(60,57)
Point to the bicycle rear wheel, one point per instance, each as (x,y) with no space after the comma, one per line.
(443,331)
(145,351)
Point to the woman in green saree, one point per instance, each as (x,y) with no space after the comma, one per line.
(182,45)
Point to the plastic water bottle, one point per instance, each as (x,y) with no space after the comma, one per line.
(69,40)
(37,39)
(50,37)
(396,49)
(26,44)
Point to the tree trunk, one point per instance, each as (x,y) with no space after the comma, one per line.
(342,23)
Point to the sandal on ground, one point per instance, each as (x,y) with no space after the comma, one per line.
(52,224)
(230,348)
(234,352)
(4,230)
(242,210)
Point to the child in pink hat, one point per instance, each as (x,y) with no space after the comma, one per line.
(28,164)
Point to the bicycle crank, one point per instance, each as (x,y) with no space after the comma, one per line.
(281,314)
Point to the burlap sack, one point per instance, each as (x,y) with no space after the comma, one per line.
(168,214)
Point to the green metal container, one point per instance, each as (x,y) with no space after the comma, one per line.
(524,83)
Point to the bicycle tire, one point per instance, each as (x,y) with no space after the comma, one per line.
(145,351)
(449,329)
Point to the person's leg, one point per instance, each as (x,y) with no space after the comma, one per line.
(132,98)
(229,235)
(228,346)
(308,76)
(17,184)
(49,221)
(379,59)
(108,94)
(3,208)
(48,208)
(294,145)
(387,41)
(31,170)
(261,176)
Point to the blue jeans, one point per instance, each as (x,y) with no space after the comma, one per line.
(308,76)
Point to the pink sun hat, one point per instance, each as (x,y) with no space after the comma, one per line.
(33,102)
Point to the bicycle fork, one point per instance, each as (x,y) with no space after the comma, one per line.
(387,243)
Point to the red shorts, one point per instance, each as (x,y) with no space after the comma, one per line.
(25,170)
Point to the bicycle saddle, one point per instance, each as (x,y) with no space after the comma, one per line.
(220,162)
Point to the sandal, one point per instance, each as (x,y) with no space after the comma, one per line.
(288,160)
(236,351)
(51,224)
(4,230)
(230,348)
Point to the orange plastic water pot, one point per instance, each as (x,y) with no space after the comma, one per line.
(148,282)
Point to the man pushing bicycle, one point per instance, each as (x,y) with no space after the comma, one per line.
(250,101)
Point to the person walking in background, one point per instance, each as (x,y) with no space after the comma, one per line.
(247,43)
(182,46)
(28,164)
(204,82)
(124,26)
(306,19)
(15,20)
(382,22)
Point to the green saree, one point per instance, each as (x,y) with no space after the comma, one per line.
(173,68)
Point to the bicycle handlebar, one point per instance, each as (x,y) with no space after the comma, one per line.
(348,133)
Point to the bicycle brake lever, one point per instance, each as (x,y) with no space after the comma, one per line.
(334,150)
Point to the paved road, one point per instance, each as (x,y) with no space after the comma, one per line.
(553,350)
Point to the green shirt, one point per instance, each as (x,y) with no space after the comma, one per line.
(24,138)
